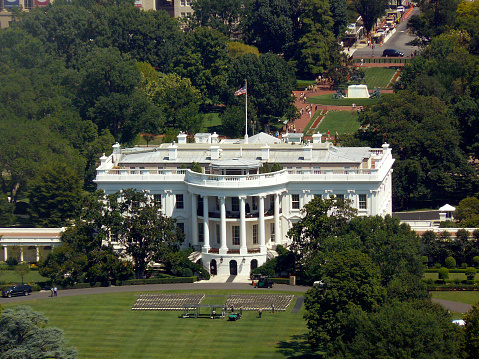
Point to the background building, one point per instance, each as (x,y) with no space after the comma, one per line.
(232,213)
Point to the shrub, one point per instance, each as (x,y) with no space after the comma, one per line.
(186,272)
(470,273)
(475,259)
(424,260)
(450,262)
(12,261)
(437,265)
(443,274)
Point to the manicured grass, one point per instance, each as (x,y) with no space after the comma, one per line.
(104,326)
(340,121)
(10,276)
(328,100)
(378,76)
(467,297)
(212,121)
(302,84)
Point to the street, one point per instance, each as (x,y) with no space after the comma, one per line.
(400,41)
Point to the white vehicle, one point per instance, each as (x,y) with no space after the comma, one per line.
(400,8)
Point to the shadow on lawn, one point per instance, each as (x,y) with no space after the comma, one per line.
(297,347)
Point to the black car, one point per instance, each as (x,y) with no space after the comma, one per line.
(18,289)
(392,53)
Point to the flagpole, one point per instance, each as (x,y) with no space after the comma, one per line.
(246,112)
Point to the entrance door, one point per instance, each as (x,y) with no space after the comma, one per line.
(254,264)
(233,267)
(213,269)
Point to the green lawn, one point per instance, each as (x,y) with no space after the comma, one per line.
(340,121)
(10,276)
(328,100)
(378,76)
(104,326)
(467,297)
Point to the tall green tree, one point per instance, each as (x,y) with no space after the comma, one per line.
(109,94)
(270,84)
(436,17)
(205,62)
(55,196)
(25,334)
(418,329)
(370,11)
(351,282)
(272,25)
(85,254)
(140,227)
(471,332)
(317,40)
(222,15)
(430,166)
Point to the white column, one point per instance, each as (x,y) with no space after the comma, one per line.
(243,248)
(194,220)
(21,254)
(262,235)
(224,246)
(206,227)
(37,253)
(277,235)
(5,253)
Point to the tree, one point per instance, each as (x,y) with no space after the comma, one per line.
(25,334)
(273,26)
(351,282)
(22,270)
(370,11)
(222,15)
(418,329)
(55,196)
(108,94)
(317,41)
(430,166)
(339,12)
(138,225)
(205,62)
(471,332)
(196,167)
(270,82)
(321,219)
(178,100)
(467,212)
(85,254)
(436,17)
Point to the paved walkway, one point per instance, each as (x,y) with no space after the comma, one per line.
(453,306)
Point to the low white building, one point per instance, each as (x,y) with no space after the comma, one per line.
(233,214)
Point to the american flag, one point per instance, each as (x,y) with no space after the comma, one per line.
(241,91)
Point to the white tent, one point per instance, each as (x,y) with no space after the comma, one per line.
(447,208)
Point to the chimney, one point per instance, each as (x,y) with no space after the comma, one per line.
(317,138)
(172,152)
(265,153)
(182,138)
(308,152)
(215,152)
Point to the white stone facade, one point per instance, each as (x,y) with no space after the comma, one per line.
(231,213)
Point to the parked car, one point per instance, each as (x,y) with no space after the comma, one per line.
(392,53)
(17,289)
(400,8)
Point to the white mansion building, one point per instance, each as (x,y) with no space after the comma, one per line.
(233,214)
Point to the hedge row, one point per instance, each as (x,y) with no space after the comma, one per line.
(458,287)
(435,270)
(280,280)
(159,280)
